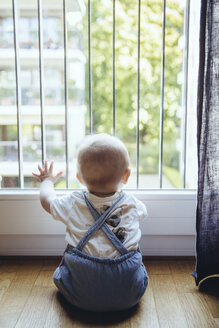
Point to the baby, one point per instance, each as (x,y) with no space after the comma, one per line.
(102,268)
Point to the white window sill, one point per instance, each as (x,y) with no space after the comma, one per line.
(26,229)
(148,193)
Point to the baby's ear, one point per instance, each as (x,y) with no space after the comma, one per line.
(126,176)
(80,178)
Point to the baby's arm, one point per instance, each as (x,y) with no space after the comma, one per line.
(47,193)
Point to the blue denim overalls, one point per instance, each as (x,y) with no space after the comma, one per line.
(101,284)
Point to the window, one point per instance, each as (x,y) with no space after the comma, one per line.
(69,68)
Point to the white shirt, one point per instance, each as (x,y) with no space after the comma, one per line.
(123,221)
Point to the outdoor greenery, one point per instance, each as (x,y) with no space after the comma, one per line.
(173,176)
(126,59)
(126,77)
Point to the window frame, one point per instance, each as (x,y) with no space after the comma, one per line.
(39,234)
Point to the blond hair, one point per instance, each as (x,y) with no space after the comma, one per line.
(102,161)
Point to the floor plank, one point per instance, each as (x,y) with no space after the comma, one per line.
(45,279)
(146,316)
(15,297)
(5,281)
(157,267)
(50,264)
(181,266)
(168,306)
(57,316)
(184,283)
(36,308)
(196,311)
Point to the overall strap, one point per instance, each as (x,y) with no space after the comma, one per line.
(100,224)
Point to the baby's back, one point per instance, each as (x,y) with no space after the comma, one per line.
(123,221)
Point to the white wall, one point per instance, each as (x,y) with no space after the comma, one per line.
(26,229)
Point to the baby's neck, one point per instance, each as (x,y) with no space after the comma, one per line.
(99,194)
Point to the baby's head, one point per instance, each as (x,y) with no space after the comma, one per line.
(103,163)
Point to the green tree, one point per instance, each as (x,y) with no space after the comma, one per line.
(126,55)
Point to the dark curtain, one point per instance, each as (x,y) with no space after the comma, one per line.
(207,224)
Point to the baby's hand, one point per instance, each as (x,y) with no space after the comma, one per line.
(46,173)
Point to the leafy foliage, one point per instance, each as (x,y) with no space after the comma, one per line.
(126,60)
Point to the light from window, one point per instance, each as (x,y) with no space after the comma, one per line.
(127,68)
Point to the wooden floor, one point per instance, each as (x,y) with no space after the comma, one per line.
(29,299)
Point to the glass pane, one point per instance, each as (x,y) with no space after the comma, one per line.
(101,65)
(126,59)
(30,93)
(8,110)
(151,47)
(53,68)
(54,81)
(173,111)
(126,56)
(76,61)
(191,156)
